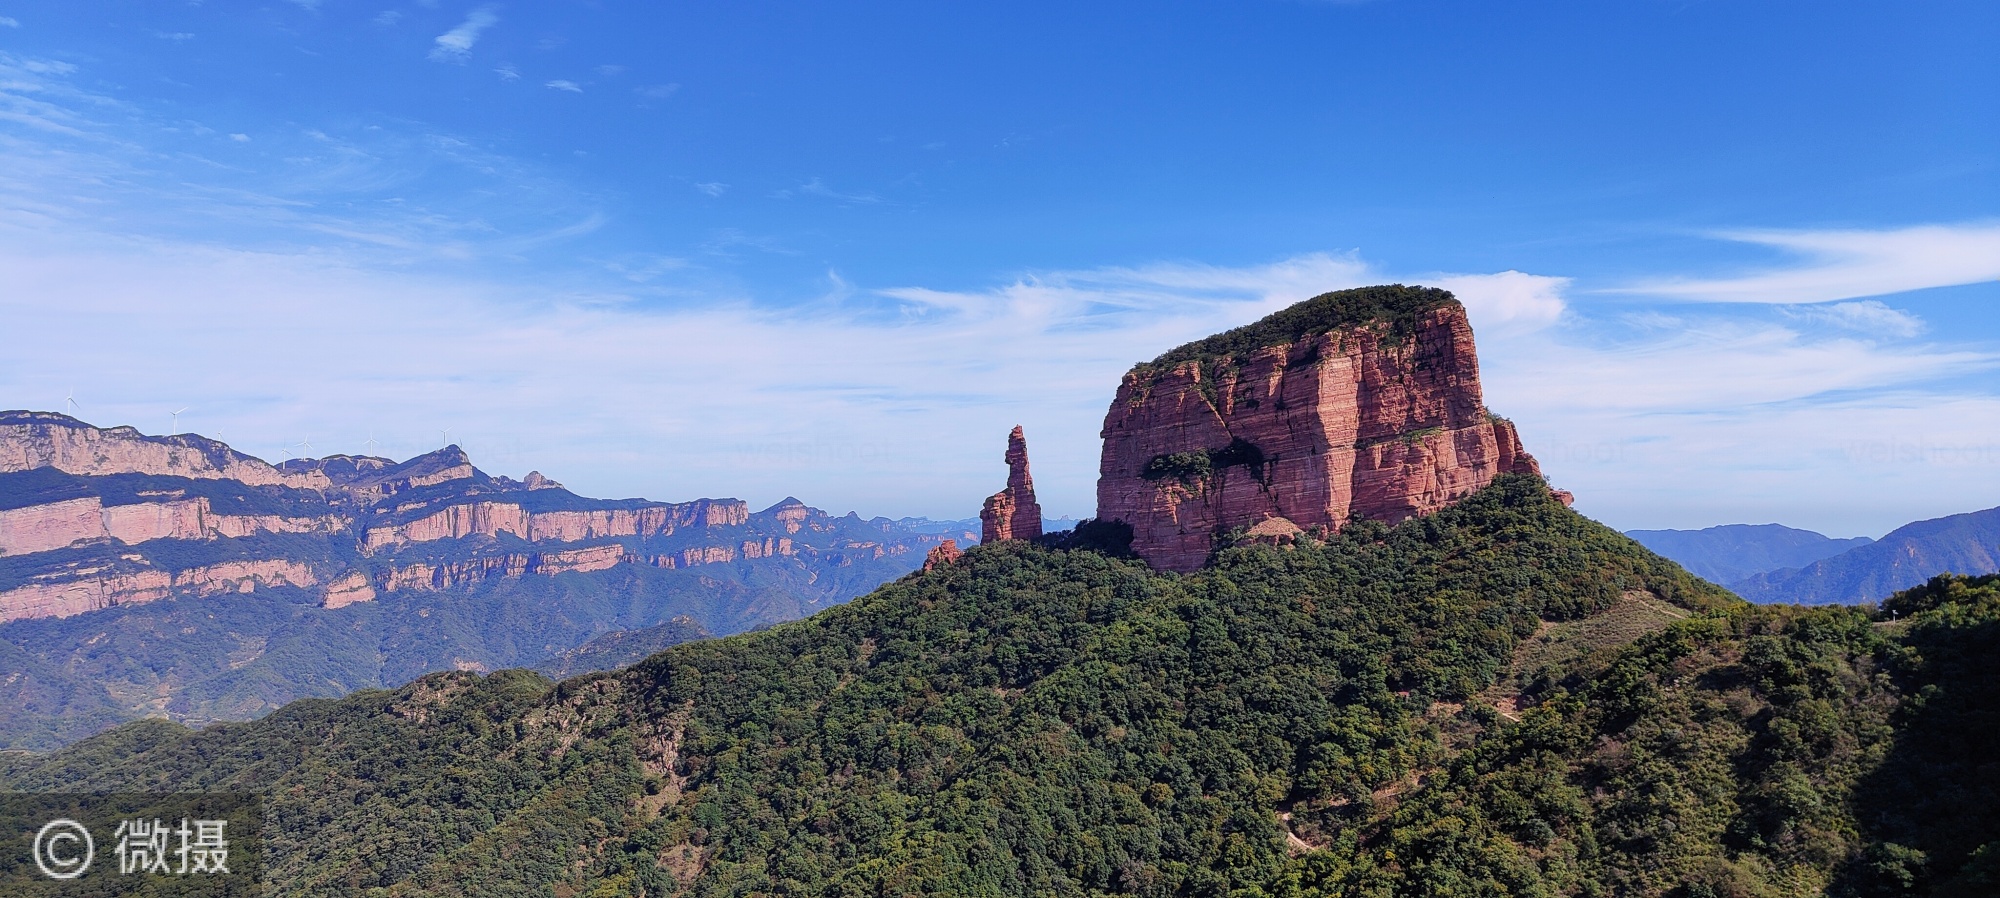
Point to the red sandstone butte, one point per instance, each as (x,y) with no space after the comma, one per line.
(1378,416)
(1012,513)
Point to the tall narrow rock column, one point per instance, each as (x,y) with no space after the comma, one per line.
(1013,512)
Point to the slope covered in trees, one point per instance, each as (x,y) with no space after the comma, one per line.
(1501,699)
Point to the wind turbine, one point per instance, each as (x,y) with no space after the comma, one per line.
(69,403)
(175,420)
(306,444)
(371,444)
(444,437)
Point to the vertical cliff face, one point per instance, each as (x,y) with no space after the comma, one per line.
(92,518)
(1013,512)
(31,440)
(1362,401)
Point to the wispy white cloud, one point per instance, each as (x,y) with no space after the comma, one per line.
(658,91)
(9,22)
(398,193)
(712,188)
(456,45)
(563,84)
(240,138)
(508,73)
(894,400)
(1867,316)
(857,398)
(48,66)
(175,36)
(1509,300)
(818,188)
(1834,265)
(388,17)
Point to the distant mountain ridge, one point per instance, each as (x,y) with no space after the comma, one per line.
(147,575)
(1731,552)
(1965,544)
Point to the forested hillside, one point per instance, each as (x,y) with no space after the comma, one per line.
(1501,699)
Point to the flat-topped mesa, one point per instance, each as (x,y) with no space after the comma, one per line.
(1361,401)
(1013,512)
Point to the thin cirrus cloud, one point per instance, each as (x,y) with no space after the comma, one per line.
(563,85)
(1864,316)
(77,156)
(1848,264)
(456,45)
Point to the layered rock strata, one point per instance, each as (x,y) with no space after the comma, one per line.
(30,440)
(93,590)
(57,525)
(1362,403)
(93,518)
(1013,512)
(495,518)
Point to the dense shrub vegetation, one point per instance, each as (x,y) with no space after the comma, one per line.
(1395,304)
(1456,706)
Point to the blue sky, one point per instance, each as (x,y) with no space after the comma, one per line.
(1727,261)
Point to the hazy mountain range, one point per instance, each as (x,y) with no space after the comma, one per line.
(1773,563)
(172,576)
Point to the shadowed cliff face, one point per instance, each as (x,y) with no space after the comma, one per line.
(1381,418)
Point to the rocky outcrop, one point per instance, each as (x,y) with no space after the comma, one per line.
(1362,402)
(943,554)
(1012,513)
(88,590)
(429,575)
(492,518)
(30,440)
(348,590)
(57,525)
(790,513)
(368,480)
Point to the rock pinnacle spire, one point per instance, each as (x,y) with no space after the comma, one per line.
(1013,512)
